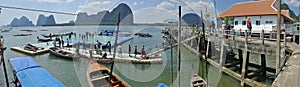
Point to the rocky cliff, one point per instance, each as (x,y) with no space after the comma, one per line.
(43,20)
(23,21)
(191,18)
(106,17)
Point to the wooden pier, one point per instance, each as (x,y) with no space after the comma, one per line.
(218,41)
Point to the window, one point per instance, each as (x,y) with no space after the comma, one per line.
(269,22)
(243,22)
(257,22)
(236,22)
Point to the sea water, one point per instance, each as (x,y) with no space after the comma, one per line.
(72,73)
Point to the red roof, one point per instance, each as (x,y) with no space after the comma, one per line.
(253,8)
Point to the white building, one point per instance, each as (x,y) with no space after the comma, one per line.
(263,15)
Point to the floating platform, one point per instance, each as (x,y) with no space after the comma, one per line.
(127,59)
(121,40)
(153,59)
(28,52)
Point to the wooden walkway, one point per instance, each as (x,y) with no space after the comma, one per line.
(290,74)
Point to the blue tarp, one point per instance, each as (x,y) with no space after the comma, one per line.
(22,63)
(31,74)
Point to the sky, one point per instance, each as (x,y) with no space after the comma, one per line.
(145,11)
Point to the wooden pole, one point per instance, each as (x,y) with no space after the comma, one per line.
(171,43)
(4,67)
(244,63)
(115,47)
(179,40)
(278,37)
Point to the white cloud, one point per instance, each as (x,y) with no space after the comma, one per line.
(292,2)
(138,3)
(56,1)
(135,3)
(153,15)
(166,6)
(69,1)
(142,2)
(95,6)
(50,1)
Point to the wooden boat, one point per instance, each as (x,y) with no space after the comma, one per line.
(5,30)
(52,35)
(104,60)
(196,80)
(29,30)
(30,74)
(44,40)
(61,53)
(22,34)
(143,34)
(98,76)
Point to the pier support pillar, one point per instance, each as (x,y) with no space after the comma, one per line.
(240,53)
(294,37)
(263,63)
(245,66)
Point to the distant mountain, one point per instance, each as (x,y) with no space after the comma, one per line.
(23,21)
(284,6)
(191,18)
(43,20)
(106,17)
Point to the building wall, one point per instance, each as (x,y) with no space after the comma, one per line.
(256,28)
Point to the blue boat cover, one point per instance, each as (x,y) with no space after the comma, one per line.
(22,63)
(31,74)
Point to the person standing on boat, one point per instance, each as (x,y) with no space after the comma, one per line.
(1,46)
(99,47)
(70,35)
(120,51)
(1,42)
(68,43)
(143,52)
(135,51)
(59,43)
(104,55)
(50,35)
(129,50)
(83,45)
(109,47)
(54,42)
(62,43)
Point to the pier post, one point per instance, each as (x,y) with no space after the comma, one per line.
(294,37)
(245,61)
(240,52)
(278,37)
(263,55)
(263,63)
(222,60)
(284,39)
(263,36)
(233,34)
(240,33)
